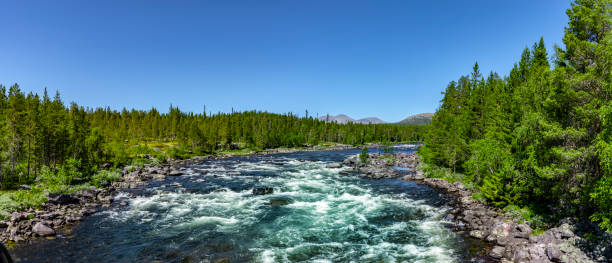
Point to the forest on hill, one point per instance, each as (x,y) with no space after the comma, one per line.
(538,141)
(43,134)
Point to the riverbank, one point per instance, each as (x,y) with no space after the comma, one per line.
(511,239)
(305,211)
(63,211)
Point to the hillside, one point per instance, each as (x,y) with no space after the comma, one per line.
(421,118)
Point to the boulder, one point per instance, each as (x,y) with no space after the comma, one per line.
(18,216)
(175,173)
(497,252)
(279,202)
(43,230)
(566,231)
(477,234)
(334,165)
(24,187)
(88,194)
(263,190)
(63,199)
(500,230)
(554,254)
(523,231)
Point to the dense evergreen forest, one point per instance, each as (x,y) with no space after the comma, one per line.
(39,133)
(540,139)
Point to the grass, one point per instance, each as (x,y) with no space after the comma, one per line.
(239,152)
(447,174)
(537,221)
(67,179)
(17,200)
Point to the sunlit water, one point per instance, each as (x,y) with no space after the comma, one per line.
(314,215)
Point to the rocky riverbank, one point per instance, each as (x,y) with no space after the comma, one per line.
(511,241)
(63,211)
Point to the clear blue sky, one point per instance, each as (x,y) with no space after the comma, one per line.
(388,59)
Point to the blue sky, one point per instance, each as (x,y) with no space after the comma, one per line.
(388,59)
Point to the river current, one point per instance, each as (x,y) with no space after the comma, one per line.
(315,214)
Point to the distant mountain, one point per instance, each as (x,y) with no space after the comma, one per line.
(421,118)
(340,118)
(372,120)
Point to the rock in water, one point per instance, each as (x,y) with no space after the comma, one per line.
(279,202)
(43,230)
(334,165)
(263,190)
(175,173)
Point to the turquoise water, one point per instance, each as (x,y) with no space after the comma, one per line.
(314,215)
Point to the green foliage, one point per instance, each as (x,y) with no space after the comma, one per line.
(601,196)
(540,138)
(537,221)
(7,204)
(387,147)
(105,177)
(11,201)
(70,172)
(364,155)
(118,153)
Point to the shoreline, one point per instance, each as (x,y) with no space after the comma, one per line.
(62,212)
(510,240)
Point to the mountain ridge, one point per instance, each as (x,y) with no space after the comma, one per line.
(421,118)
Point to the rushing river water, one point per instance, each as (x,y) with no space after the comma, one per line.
(314,215)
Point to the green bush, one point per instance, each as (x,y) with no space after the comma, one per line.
(21,199)
(104,177)
(601,196)
(363,157)
(70,172)
(387,147)
(178,152)
(30,198)
(7,204)
(118,155)
(537,221)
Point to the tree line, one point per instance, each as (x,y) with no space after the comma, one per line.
(540,137)
(38,132)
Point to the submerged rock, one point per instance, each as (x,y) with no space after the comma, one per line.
(263,190)
(279,202)
(334,165)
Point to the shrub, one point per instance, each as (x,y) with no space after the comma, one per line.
(387,147)
(363,157)
(537,221)
(7,205)
(70,172)
(178,152)
(118,154)
(601,196)
(104,177)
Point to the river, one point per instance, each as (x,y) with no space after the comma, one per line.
(315,214)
